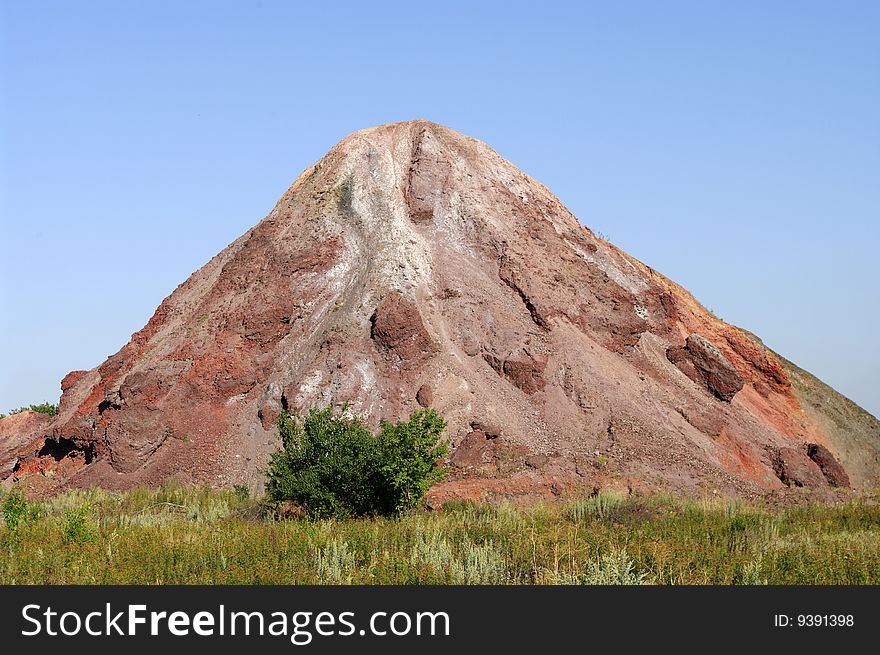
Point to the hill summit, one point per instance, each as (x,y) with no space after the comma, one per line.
(413,266)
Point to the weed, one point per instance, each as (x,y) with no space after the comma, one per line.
(600,505)
(431,548)
(751,572)
(335,563)
(78,526)
(479,564)
(614,568)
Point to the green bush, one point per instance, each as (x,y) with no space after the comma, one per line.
(334,466)
(43,408)
(15,509)
(78,526)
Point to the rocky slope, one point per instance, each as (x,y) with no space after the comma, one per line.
(413,265)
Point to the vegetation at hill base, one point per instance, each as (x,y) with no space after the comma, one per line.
(331,466)
(44,408)
(195,535)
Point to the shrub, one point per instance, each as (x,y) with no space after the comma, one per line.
(334,466)
(241,492)
(335,563)
(614,568)
(78,526)
(15,509)
(407,453)
(480,564)
(752,573)
(431,548)
(43,408)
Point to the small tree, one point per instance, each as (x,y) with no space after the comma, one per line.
(334,466)
(408,452)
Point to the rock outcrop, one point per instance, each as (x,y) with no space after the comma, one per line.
(828,464)
(794,468)
(399,331)
(413,266)
(703,363)
(21,435)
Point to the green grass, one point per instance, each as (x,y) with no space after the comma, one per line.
(189,536)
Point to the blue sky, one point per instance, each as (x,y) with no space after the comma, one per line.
(733,146)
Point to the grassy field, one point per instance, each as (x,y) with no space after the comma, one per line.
(189,536)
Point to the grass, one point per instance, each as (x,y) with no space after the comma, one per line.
(189,536)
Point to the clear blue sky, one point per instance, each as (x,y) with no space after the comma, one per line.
(734,146)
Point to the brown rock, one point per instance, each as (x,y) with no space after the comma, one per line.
(793,467)
(769,370)
(762,388)
(493,360)
(473,451)
(525,372)
(707,422)
(268,414)
(70,379)
(487,457)
(49,458)
(703,363)
(26,423)
(537,461)
(831,468)
(428,175)
(424,396)
(470,344)
(491,430)
(397,328)
(21,435)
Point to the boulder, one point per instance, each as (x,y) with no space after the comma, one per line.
(794,468)
(398,330)
(830,467)
(491,430)
(703,363)
(425,396)
(472,452)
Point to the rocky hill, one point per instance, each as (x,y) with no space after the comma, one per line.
(414,266)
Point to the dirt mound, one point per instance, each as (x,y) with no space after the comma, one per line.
(414,266)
